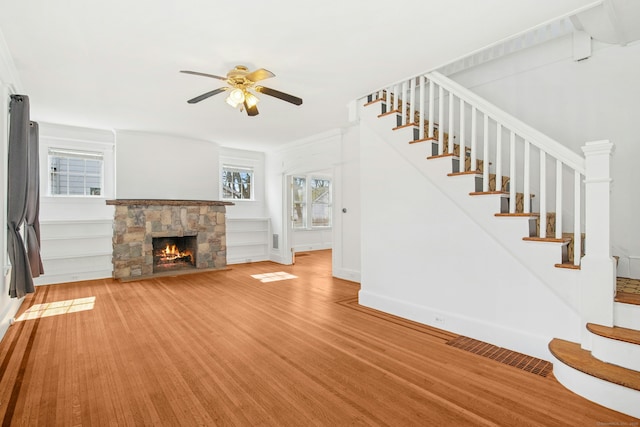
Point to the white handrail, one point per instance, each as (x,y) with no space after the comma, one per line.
(535,137)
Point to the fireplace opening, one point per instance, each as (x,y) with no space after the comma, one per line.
(174,253)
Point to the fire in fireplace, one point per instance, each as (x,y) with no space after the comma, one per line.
(174,253)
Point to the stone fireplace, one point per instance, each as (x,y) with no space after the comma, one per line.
(152,237)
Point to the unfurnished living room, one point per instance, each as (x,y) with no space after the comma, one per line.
(363,213)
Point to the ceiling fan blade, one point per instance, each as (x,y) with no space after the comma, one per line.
(251,111)
(280,95)
(207,95)
(204,74)
(261,74)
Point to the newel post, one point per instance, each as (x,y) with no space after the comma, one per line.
(598,270)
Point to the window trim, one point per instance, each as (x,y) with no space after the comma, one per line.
(76,154)
(308,202)
(236,168)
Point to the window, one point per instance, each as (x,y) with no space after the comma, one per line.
(237,183)
(299,188)
(320,202)
(318,191)
(75,173)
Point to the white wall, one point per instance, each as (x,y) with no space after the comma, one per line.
(154,166)
(576,102)
(424,259)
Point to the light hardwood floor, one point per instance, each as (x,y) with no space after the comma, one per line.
(223,348)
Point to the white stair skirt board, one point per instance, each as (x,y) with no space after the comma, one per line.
(626,315)
(614,396)
(617,352)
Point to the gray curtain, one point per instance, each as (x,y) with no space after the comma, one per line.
(21,281)
(32,215)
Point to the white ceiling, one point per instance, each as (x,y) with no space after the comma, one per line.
(115,64)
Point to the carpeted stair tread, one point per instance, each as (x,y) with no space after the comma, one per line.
(571,354)
(615,333)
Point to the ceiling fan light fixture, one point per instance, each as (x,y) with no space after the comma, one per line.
(251,99)
(235,98)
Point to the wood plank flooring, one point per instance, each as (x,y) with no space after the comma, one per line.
(222,348)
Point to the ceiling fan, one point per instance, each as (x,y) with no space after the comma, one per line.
(241,81)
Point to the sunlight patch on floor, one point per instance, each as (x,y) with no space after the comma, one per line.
(273,277)
(57,308)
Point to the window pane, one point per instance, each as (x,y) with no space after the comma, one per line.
(299,198)
(75,173)
(236,183)
(321,202)
(321,216)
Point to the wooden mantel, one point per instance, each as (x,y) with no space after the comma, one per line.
(167,202)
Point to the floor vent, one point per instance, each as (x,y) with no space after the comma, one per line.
(503,355)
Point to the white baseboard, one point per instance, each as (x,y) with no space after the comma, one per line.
(346,274)
(515,340)
(8,314)
(245,260)
(315,247)
(53,279)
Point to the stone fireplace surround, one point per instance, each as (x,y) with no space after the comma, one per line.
(138,221)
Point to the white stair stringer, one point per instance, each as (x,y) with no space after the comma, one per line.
(538,257)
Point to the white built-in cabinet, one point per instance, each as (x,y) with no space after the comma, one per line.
(75,250)
(248,240)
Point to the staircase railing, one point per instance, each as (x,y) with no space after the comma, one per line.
(444,111)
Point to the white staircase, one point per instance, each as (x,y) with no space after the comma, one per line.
(429,120)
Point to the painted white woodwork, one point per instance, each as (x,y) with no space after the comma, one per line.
(598,266)
(431,107)
(422,106)
(542,196)
(412,101)
(616,352)
(451,124)
(440,120)
(485,154)
(474,139)
(559,213)
(461,140)
(527,176)
(403,99)
(248,240)
(75,249)
(499,158)
(617,397)
(512,172)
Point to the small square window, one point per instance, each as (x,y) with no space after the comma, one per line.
(237,183)
(75,173)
